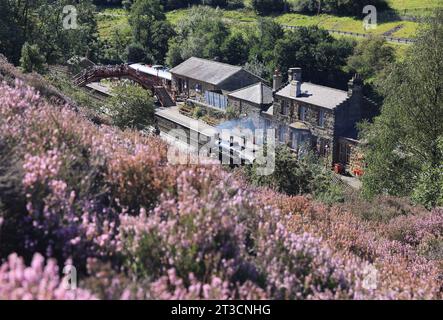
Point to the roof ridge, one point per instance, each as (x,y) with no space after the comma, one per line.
(247,87)
(319,85)
(261,92)
(213,61)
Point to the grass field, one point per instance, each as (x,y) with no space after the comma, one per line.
(348,24)
(326,21)
(414,4)
(110,19)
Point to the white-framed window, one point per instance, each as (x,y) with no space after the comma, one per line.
(301,140)
(284,107)
(321,118)
(294,139)
(302,113)
(281,134)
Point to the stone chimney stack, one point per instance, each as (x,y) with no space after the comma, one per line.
(277,82)
(296,74)
(290,75)
(295,89)
(355,86)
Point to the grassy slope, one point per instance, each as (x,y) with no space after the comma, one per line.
(324,20)
(107,21)
(414,4)
(348,24)
(111,19)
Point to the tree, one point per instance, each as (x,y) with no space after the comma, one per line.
(150,28)
(428,190)
(265,7)
(201,33)
(346,7)
(131,106)
(313,49)
(59,44)
(235,49)
(136,53)
(403,142)
(257,67)
(295,175)
(261,39)
(370,57)
(31,60)
(11,34)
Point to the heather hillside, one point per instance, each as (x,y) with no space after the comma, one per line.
(137,227)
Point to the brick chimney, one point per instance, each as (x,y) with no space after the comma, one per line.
(277,80)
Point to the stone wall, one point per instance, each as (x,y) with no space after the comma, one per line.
(191,91)
(321,135)
(245,107)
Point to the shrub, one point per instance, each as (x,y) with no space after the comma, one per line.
(131,106)
(31,59)
(198,113)
(295,175)
(39,281)
(137,227)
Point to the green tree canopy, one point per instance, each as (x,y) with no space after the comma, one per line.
(370,57)
(42,23)
(313,49)
(266,7)
(150,29)
(402,143)
(235,49)
(346,7)
(131,106)
(201,33)
(31,58)
(295,175)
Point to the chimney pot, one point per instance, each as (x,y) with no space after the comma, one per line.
(295,74)
(276,84)
(290,75)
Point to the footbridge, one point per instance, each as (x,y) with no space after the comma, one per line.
(157,85)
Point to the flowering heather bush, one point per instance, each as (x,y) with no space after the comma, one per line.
(402,272)
(214,228)
(38,281)
(423,231)
(137,227)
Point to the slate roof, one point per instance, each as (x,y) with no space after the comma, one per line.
(316,95)
(208,71)
(258,93)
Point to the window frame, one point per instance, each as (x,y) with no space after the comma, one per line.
(321,118)
(302,112)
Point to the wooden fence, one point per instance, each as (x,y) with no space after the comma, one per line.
(361,35)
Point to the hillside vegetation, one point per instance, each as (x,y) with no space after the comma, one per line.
(116,18)
(414,4)
(136,226)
